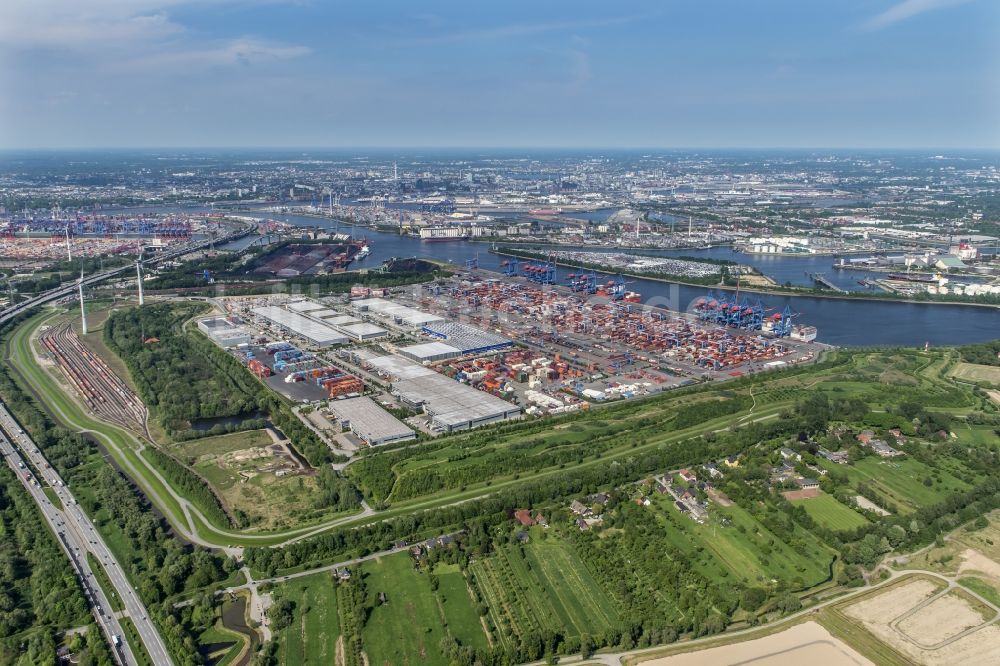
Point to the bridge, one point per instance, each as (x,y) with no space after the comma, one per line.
(823,281)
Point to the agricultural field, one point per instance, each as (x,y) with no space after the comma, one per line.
(988,374)
(312,636)
(541,586)
(462,619)
(904,481)
(409,615)
(732,543)
(827,511)
(925,622)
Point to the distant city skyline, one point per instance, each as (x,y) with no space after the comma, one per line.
(714,74)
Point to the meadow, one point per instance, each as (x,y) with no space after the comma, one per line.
(827,511)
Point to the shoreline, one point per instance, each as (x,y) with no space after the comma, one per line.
(512,252)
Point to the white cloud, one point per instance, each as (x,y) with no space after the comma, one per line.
(103,30)
(907,9)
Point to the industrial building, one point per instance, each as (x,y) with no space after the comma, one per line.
(363,331)
(305,306)
(317,334)
(224,332)
(399,314)
(451,404)
(429,352)
(339,319)
(370,422)
(466,339)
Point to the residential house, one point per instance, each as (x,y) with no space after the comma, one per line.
(866,436)
(807,484)
(788,454)
(523,516)
(579,508)
(687,475)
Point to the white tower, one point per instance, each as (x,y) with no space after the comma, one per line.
(395,172)
(138,275)
(69,248)
(83,312)
(690,226)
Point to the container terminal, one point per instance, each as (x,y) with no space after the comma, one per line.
(481,347)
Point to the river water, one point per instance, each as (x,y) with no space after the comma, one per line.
(840,322)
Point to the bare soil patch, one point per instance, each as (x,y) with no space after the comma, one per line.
(806,643)
(805,493)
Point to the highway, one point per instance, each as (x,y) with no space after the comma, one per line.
(77,535)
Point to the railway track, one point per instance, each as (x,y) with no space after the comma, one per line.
(104,392)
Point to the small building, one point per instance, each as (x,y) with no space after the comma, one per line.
(788,454)
(865,436)
(731,461)
(806,484)
(687,475)
(884,450)
(523,516)
(522,537)
(579,508)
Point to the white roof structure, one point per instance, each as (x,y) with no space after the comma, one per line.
(338,319)
(323,314)
(318,334)
(398,367)
(467,339)
(429,352)
(363,331)
(304,306)
(369,421)
(453,405)
(398,313)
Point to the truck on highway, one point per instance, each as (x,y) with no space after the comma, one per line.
(117,640)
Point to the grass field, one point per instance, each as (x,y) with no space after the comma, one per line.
(827,511)
(982,588)
(733,543)
(461,618)
(312,636)
(407,629)
(548,588)
(977,373)
(902,480)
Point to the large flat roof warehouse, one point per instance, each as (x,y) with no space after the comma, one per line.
(399,313)
(398,367)
(325,313)
(363,331)
(370,422)
(467,339)
(453,405)
(429,352)
(318,334)
(305,306)
(338,319)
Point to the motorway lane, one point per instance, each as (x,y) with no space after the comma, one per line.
(78,535)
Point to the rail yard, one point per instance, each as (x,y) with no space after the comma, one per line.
(104,393)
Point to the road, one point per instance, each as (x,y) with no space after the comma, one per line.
(77,535)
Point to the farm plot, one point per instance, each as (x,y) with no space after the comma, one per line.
(905,481)
(747,549)
(827,511)
(939,621)
(406,628)
(977,373)
(457,604)
(546,588)
(312,636)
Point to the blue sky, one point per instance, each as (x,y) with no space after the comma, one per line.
(699,73)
